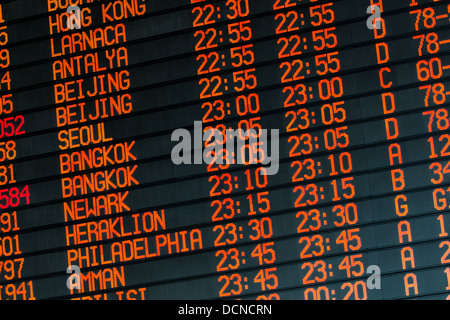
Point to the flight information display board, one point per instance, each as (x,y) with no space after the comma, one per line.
(232,149)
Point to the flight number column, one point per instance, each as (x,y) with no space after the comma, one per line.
(244,105)
(10,197)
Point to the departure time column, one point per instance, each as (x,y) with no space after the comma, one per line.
(242,108)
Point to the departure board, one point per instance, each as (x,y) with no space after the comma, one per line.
(224,149)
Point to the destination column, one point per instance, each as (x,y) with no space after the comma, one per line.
(90,89)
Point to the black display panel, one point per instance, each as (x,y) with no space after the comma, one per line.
(238,149)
